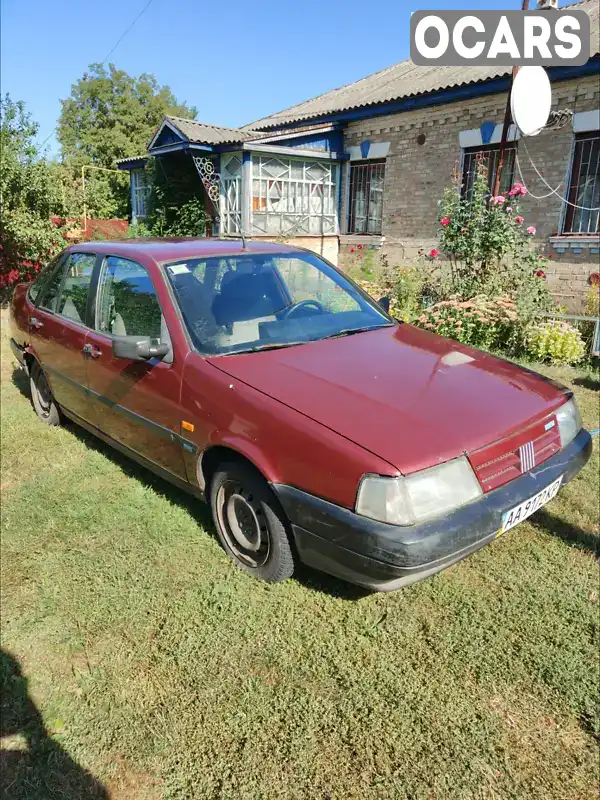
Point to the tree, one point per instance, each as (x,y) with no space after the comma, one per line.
(112,115)
(30,193)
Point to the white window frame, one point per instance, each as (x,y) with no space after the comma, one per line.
(231,194)
(307,204)
(140,193)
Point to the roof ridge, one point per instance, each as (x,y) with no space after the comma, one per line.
(205,124)
(330,91)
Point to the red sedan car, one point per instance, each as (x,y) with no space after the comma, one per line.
(262,379)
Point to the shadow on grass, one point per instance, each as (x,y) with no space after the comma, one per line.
(571,534)
(588,383)
(34,766)
(21,380)
(199,511)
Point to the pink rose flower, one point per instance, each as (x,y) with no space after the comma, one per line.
(531,230)
(520,220)
(434,253)
(445,221)
(498,200)
(518,190)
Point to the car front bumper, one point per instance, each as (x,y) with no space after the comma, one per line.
(385,557)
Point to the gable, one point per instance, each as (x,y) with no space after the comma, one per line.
(166,136)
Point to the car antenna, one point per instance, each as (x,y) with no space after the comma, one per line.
(241,236)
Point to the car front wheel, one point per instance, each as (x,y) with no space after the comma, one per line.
(250,523)
(41,396)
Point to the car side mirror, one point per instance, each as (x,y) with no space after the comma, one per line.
(138,348)
(384,302)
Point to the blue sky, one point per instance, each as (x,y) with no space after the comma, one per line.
(235,61)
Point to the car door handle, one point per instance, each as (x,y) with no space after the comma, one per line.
(36,323)
(91,350)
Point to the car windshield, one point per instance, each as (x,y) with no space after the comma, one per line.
(256,301)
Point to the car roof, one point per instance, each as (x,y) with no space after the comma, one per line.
(175,249)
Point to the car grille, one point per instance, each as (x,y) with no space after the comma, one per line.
(501,462)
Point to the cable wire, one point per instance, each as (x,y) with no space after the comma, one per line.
(110,52)
(124,34)
(552,191)
(529,192)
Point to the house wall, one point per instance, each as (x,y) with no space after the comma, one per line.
(325,246)
(416,176)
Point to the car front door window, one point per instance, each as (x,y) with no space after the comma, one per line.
(127,302)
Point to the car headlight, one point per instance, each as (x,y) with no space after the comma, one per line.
(569,422)
(420,496)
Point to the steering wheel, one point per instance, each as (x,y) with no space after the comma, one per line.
(314,304)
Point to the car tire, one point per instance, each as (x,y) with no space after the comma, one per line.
(250,523)
(41,396)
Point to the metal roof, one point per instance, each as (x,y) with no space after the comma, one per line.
(131,158)
(203,133)
(404,80)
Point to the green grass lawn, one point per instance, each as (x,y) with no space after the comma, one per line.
(168,673)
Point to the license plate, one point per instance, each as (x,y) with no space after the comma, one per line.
(529,507)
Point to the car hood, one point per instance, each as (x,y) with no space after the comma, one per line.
(408,396)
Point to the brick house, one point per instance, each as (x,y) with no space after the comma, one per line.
(368,162)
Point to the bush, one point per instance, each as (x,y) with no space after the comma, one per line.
(488,249)
(555,341)
(592,300)
(138,230)
(30,196)
(479,322)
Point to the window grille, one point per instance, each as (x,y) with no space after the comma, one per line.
(584,186)
(365,211)
(292,196)
(487,158)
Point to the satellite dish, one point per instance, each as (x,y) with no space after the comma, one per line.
(531,100)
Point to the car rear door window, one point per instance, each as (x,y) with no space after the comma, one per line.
(74,295)
(47,273)
(127,301)
(50,295)
(67,290)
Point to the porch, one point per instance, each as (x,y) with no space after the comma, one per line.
(284,186)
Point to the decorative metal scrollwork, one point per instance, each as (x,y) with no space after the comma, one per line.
(209,177)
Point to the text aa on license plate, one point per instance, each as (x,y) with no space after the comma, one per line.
(529,507)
